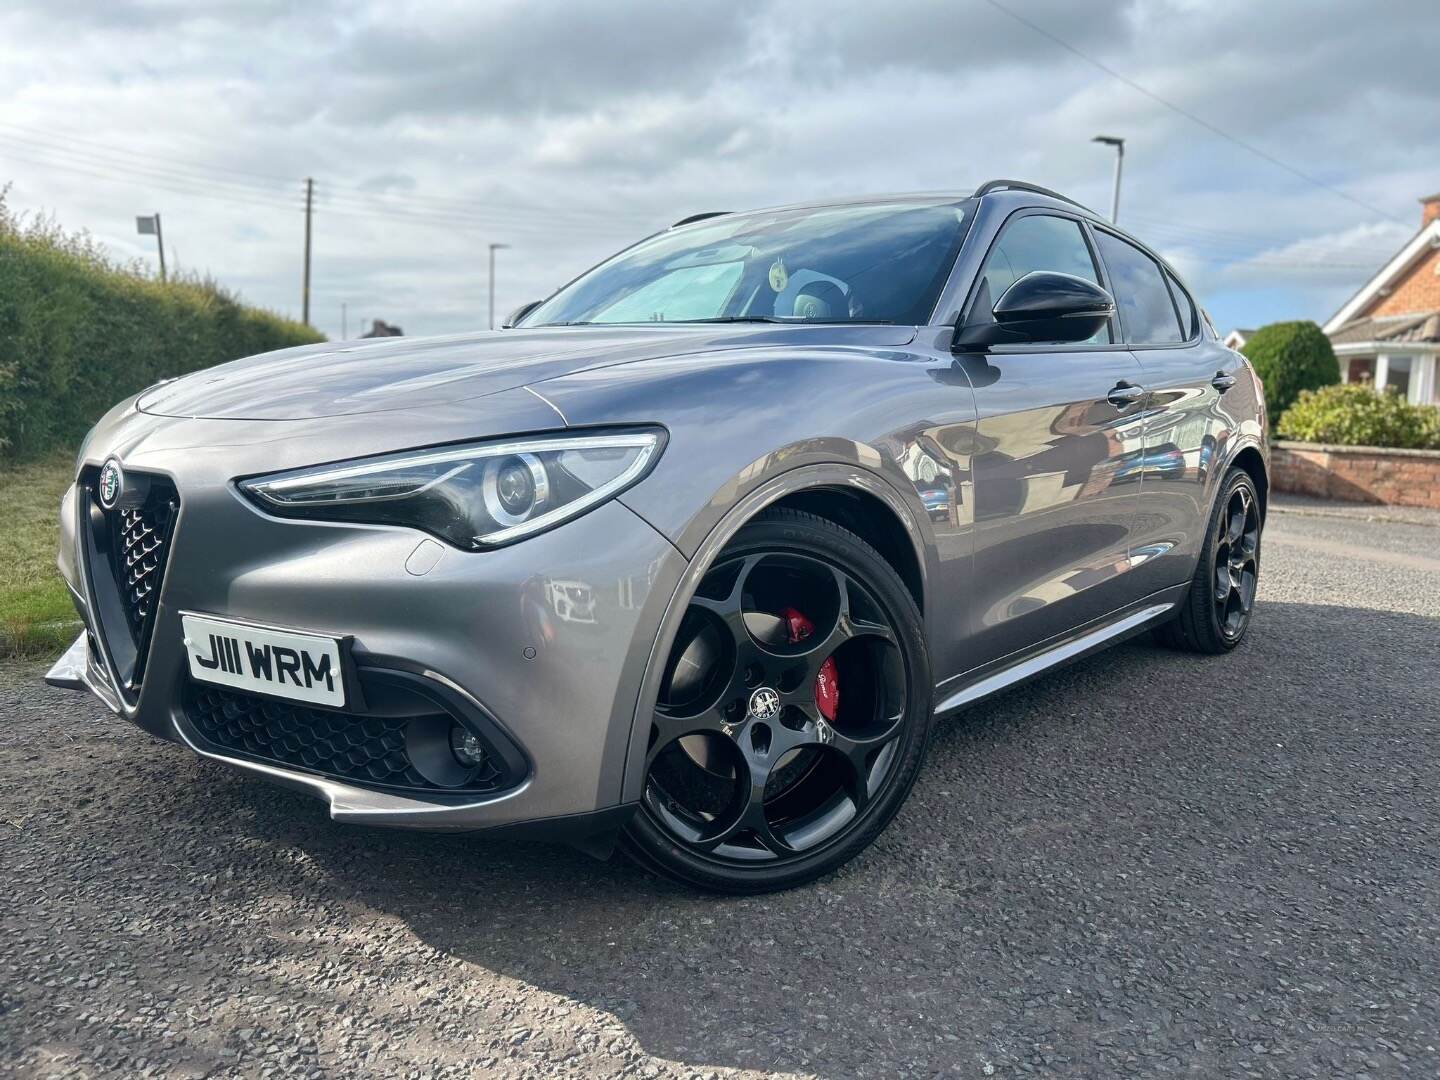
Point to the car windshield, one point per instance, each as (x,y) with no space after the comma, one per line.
(869,263)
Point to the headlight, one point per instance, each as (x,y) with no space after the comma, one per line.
(475,496)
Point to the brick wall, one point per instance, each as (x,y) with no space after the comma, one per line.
(1419,290)
(1357,473)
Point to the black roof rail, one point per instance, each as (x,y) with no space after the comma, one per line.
(699,217)
(1021,185)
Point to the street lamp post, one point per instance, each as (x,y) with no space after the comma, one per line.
(1119,145)
(493,248)
(150,226)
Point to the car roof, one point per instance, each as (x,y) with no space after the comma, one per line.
(1015,192)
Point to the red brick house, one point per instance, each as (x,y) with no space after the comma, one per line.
(1388,333)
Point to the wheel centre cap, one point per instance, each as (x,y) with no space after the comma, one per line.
(764,704)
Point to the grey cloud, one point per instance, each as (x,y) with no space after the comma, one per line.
(653,137)
(567,129)
(385,183)
(523,59)
(945,38)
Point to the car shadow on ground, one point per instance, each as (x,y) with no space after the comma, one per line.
(1122,857)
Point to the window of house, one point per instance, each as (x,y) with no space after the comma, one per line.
(1397,375)
(1361,370)
(1030,243)
(1147,314)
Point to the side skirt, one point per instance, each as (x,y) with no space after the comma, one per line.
(1113,629)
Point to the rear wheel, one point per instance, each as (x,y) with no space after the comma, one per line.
(793,715)
(1216,611)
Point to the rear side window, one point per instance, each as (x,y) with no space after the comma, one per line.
(1147,314)
(1187,306)
(1030,243)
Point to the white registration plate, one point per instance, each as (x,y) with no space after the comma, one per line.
(303,667)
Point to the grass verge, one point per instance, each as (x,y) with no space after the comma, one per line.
(36,615)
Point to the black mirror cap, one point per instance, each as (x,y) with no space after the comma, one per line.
(1043,307)
(520,313)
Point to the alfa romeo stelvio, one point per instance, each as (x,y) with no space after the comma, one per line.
(687,558)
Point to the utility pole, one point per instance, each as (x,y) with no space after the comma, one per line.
(1119,145)
(305,294)
(344,321)
(493,249)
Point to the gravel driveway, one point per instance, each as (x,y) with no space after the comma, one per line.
(1145,865)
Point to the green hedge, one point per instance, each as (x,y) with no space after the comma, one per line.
(1358,415)
(78,333)
(1290,357)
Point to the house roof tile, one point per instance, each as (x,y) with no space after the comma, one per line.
(1418,328)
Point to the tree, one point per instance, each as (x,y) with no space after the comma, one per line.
(1290,357)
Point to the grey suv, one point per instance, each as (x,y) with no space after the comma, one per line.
(689,555)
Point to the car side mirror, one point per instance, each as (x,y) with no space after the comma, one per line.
(520,313)
(1042,307)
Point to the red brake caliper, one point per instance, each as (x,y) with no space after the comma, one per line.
(827,683)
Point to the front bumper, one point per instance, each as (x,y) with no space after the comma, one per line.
(548,638)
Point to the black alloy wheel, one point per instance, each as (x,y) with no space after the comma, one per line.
(793,713)
(1218,608)
(1237,562)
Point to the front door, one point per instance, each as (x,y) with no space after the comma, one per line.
(1057,459)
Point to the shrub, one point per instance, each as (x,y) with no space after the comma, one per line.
(1358,415)
(1290,357)
(79,332)
(1431,420)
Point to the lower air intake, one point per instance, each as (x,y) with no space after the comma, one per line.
(381,751)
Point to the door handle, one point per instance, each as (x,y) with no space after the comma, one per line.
(1125,394)
(1222,381)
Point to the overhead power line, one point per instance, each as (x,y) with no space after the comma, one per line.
(244,187)
(1245,240)
(1290,252)
(489,209)
(376,208)
(1179,110)
(207,170)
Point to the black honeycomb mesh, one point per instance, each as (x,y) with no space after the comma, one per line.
(141,539)
(136,538)
(369,750)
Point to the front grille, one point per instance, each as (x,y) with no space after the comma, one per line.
(141,544)
(126,549)
(369,750)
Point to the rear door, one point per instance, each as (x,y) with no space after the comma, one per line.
(1186,373)
(1057,430)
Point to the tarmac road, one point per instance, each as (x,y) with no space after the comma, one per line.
(1145,865)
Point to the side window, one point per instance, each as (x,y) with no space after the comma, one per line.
(1188,325)
(1033,242)
(1147,314)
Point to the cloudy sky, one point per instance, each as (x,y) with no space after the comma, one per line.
(1274,150)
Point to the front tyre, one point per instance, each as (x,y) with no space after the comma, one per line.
(1217,608)
(793,715)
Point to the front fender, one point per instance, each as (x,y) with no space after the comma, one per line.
(666,498)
